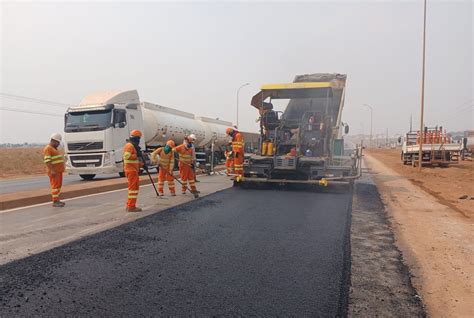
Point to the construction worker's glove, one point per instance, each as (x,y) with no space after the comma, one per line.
(145,167)
(236,155)
(192,166)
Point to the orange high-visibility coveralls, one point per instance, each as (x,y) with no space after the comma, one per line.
(185,171)
(238,149)
(229,161)
(131,166)
(166,168)
(52,155)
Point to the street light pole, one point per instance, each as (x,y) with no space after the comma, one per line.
(371,123)
(238,91)
(420,151)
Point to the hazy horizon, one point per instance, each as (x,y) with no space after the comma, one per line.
(194,56)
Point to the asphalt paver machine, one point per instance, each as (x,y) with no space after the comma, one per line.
(304,143)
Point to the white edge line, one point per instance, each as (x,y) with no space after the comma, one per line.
(70,199)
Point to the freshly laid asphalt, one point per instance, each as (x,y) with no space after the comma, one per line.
(233,253)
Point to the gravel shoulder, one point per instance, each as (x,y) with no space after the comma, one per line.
(380,282)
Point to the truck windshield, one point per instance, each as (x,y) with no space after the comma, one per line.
(88,120)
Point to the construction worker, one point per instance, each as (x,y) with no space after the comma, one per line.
(186,164)
(166,165)
(237,149)
(229,158)
(55,163)
(192,139)
(132,162)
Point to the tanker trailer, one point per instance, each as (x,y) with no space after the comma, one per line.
(96,131)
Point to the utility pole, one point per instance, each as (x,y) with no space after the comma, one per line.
(238,91)
(420,152)
(411,126)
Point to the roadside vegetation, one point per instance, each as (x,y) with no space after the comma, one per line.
(17,162)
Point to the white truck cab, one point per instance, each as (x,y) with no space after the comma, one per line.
(96,130)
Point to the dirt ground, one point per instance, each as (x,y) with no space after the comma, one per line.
(18,162)
(433,228)
(447,185)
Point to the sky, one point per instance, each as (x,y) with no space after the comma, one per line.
(194,56)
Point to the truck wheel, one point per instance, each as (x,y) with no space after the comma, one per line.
(87,176)
(122,174)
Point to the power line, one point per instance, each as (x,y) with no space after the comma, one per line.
(29,111)
(464,103)
(458,114)
(35,100)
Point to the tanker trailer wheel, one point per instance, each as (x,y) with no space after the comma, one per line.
(87,176)
(121,174)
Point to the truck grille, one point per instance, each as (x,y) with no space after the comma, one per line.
(86,161)
(77,146)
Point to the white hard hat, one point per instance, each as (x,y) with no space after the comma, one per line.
(192,136)
(57,137)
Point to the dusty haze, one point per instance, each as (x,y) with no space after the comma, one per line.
(194,57)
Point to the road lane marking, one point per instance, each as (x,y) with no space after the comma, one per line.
(70,199)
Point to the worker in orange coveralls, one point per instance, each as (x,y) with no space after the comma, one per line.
(237,149)
(132,162)
(229,159)
(166,165)
(186,165)
(55,163)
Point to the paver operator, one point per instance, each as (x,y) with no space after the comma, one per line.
(54,160)
(237,149)
(186,164)
(166,165)
(132,162)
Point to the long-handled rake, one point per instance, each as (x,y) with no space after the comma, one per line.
(196,195)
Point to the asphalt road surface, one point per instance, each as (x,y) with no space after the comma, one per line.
(38,182)
(235,253)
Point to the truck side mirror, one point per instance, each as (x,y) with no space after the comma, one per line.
(399,139)
(346,129)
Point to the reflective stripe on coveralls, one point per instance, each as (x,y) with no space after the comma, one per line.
(185,171)
(238,149)
(131,166)
(53,157)
(166,168)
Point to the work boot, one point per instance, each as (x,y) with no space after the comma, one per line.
(161,194)
(58,204)
(134,209)
(173,194)
(183,192)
